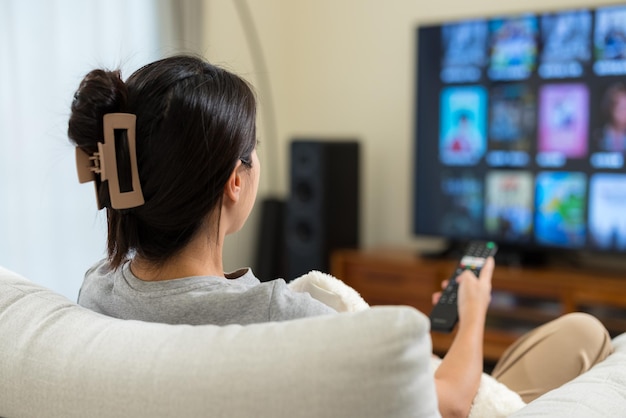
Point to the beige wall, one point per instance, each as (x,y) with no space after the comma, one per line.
(342,68)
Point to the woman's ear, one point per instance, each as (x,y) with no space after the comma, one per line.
(232,189)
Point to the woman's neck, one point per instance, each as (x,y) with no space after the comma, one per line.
(198,258)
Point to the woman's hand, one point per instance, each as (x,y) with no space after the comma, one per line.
(475,293)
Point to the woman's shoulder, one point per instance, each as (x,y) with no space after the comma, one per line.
(99,274)
(289,304)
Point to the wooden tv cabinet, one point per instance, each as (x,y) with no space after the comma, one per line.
(522,298)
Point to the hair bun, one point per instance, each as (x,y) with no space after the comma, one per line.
(99,93)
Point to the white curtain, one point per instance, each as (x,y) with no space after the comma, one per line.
(50,229)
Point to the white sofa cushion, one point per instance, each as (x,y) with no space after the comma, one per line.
(60,360)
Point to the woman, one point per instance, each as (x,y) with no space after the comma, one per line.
(172,154)
(198,174)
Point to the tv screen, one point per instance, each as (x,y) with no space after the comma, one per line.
(520,130)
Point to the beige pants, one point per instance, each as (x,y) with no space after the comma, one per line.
(553,354)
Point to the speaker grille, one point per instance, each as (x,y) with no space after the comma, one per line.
(322,209)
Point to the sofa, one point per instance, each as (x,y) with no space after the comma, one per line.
(58,359)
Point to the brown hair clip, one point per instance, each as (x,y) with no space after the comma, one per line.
(104,162)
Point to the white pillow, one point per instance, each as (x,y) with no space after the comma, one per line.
(60,360)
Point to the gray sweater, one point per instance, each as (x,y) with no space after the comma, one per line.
(239,299)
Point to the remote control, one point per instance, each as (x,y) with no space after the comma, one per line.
(445,314)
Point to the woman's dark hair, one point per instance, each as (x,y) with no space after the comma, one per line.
(195,121)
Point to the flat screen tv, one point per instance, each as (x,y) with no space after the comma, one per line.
(520,130)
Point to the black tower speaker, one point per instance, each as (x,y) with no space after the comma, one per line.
(323,204)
